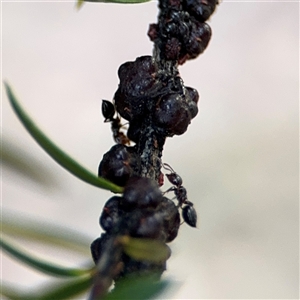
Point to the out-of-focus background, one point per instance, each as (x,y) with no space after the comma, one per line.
(239,159)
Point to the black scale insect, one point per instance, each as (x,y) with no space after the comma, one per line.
(189,214)
(108,112)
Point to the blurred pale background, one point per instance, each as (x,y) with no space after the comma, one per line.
(238,160)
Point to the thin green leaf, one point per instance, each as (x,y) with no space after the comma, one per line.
(39,231)
(10,292)
(145,249)
(141,288)
(22,163)
(67,290)
(55,152)
(80,2)
(39,264)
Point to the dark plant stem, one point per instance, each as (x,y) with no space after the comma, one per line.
(107,268)
(153,98)
(150,150)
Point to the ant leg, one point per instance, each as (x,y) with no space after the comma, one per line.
(171,189)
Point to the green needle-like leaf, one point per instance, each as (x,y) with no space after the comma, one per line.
(55,152)
(67,290)
(138,288)
(80,2)
(14,225)
(38,264)
(145,249)
(22,163)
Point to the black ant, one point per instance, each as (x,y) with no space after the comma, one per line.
(108,111)
(189,214)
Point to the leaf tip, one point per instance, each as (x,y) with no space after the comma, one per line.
(79,4)
(6,85)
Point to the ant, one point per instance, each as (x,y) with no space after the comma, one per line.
(108,111)
(189,214)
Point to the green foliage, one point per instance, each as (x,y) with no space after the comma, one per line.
(55,152)
(140,249)
(61,238)
(44,233)
(145,249)
(56,291)
(138,288)
(39,264)
(22,163)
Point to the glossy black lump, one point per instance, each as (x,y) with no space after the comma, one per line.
(192,97)
(148,224)
(162,223)
(200,9)
(174,112)
(111,214)
(168,212)
(171,115)
(118,164)
(141,212)
(141,192)
(181,33)
(165,4)
(145,97)
(138,85)
(174,30)
(97,246)
(199,38)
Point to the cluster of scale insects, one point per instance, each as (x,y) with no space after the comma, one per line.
(152,97)
(189,214)
(143,211)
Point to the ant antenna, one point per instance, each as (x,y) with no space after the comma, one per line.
(168,167)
